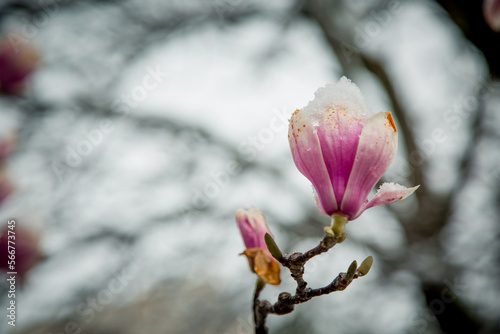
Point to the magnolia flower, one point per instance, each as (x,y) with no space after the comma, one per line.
(344,152)
(253,228)
(491,13)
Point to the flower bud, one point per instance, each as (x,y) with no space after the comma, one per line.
(254,229)
(351,271)
(344,151)
(365,266)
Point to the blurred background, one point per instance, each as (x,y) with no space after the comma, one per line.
(131,131)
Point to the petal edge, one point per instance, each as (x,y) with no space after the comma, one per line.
(388,193)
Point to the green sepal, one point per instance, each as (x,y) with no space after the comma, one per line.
(272,247)
(328,231)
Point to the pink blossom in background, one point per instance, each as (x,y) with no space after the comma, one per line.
(343,151)
(253,228)
(7,145)
(491,13)
(6,187)
(17,63)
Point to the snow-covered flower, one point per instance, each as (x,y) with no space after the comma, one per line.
(253,228)
(344,152)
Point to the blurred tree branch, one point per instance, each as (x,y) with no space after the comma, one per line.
(468,16)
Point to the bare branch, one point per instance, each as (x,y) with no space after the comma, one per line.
(296,263)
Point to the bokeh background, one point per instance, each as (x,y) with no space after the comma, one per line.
(135,129)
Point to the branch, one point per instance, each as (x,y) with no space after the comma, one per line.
(296,263)
(286,301)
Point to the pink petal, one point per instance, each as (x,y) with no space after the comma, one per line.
(253,228)
(308,157)
(386,194)
(339,135)
(376,149)
(17,63)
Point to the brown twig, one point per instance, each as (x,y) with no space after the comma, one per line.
(296,264)
(286,301)
(296,261)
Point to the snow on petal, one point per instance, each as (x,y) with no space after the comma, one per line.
(344,93)
(388,193)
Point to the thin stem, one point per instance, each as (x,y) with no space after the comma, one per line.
(286,302)
(259,316)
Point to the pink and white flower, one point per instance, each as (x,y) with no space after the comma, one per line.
(253,228)
(344,152)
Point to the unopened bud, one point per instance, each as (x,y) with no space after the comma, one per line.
(365,266)
(351,271)
(272,247)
